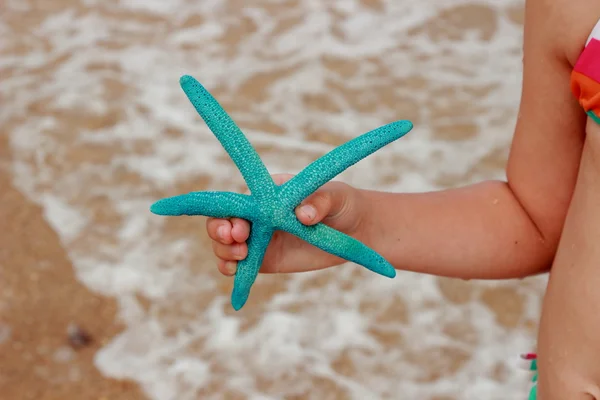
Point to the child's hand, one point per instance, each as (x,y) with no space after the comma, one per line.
(335,204)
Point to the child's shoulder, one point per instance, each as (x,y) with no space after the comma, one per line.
(564,24)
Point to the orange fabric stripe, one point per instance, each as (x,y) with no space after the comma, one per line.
(587,91)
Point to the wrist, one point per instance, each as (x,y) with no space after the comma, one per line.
(379,223)
(364,218)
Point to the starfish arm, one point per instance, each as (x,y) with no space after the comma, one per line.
(240,150)
(341,245)
(327,167)
(247,269)
(209,204)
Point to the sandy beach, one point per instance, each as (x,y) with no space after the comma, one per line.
(101,300)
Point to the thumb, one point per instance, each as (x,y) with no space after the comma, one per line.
(327,202)
(280,179)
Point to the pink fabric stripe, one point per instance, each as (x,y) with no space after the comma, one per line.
(588,63)
(528,356)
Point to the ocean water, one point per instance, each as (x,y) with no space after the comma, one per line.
(99,129)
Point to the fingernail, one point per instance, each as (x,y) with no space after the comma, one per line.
(221,232)
(230,267)
(309,211)
(237,251)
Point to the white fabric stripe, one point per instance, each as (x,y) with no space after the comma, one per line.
(595,33)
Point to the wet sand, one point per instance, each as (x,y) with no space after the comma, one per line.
(52,325)
(57,325)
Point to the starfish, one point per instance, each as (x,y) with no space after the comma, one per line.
(270,207)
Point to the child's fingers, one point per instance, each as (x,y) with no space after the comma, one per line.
(280,179)
(227,231)
(227,268)
(219,230)
(315,208)
(230,252)
(240,230)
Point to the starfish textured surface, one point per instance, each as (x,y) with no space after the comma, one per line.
(270,207)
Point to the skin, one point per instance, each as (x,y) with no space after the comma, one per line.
(545,216)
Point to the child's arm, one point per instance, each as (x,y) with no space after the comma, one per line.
(499,229)
(488,230)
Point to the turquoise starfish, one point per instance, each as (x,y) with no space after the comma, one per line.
(270,207)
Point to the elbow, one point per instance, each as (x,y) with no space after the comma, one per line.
(541,257)
(546,220)
(549,230)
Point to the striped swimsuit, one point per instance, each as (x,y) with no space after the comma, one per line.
(585,78)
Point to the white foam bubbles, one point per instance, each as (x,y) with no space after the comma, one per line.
(175,359)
